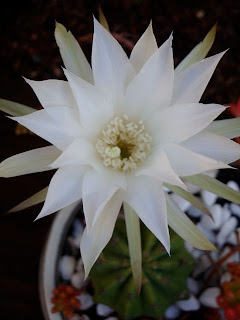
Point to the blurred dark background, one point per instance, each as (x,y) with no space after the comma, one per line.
(28,49)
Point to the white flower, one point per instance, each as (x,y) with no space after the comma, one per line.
(118,131)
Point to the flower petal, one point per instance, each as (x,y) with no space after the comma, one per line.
(53,93)
(79,152)
(213,146)
(112,69)
(143,49)
(41,123)
(36,160)
(199,52)
(184,227)
(15,109)
(97,190)
(94,109)
(64,189)
(180,122)
(37,198)
(191,83)
(72,54)
(146,197)
(159,168)
(94,240)
(149,90)
(187,163)
(229,128)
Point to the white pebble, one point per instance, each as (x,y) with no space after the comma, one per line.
(225,230)
(188,247)
(232,239)
(66,266)
(203,264)
(196,253)
(79,266)
(194,212)
(208,297)
(209,198)
(208,233)
(182,203)
(225,277)
(215,222)
(77,228)
(77,280)
(226,214)
(233,185)
(190,304)
(193,285)
(103,310)
(172,312)
(86,301)
(235,208)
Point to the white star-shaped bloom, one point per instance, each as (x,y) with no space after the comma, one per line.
(121,129)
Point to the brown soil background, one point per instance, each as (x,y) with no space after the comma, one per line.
(28,49)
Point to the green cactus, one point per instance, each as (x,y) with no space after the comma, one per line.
(164,277)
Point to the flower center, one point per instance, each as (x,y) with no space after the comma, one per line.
(124,144)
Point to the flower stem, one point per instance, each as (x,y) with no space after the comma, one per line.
(134,244)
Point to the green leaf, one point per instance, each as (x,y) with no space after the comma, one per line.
(102,19)
(229,128)
(199,52)
(134,244)
(214,186)
(184,227)
(164,277)
(15,109)
(32,201)
(72,54)
(189,197)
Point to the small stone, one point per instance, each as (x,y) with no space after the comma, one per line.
(77,228)
(66,266)
(225,277)
(208,297)
(188,247)
(225,230)
(79,266)
(232,239)
(86,301)
(213,223)
(226,214)
(208,233)
(172,312)
(182,203)
(77,280)
(190,304)
(235,208)
(194,212)
(209,198)
(196,253)
(233,185)
(103,310)
(193,285)
(203,264)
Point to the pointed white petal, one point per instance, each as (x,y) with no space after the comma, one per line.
(143,49)
(72,54)
(199,52)
(64,189)
(15,109)
(111,67)
(229,128)
(191,83)
(80,152)
(95,240)
(158,167)
(97,190)
(36,160)
(187,163)
(184,227)
(41,123)
(94,109)
(53,93)
(146,197)
(32,201)
(149,90)
(213,146)
(182,121)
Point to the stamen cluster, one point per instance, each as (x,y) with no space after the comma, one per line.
(124,144)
